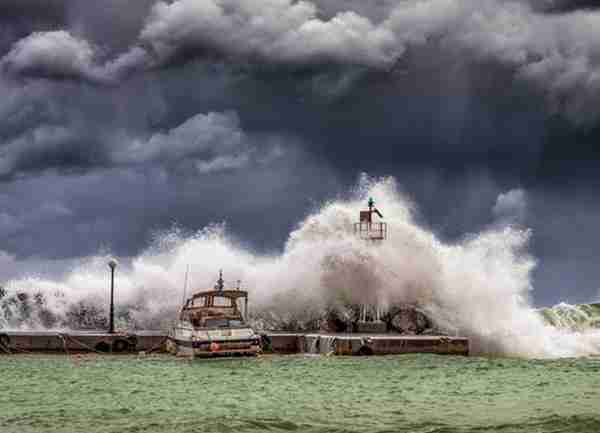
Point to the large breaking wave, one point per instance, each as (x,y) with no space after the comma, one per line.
(478,287)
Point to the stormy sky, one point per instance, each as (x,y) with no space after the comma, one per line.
(122,118)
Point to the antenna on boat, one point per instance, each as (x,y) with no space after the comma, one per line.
(220,283)
(239,285)
(187,271)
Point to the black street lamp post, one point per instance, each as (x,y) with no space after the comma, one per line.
(111,324)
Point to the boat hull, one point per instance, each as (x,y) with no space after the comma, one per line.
(190,345)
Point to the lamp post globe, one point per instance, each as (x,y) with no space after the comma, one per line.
(112,264)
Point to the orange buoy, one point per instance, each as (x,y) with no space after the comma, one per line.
(214,347)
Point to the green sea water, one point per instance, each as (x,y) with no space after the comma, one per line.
(410,393)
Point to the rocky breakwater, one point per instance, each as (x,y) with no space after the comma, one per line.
(399,319)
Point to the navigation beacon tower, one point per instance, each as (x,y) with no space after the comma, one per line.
(368,229)
(373,232)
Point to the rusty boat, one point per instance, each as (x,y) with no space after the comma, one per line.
(212,323)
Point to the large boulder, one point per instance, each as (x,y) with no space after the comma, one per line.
(339,320)
(407,319)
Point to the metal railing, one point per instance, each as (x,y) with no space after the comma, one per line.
(371,230)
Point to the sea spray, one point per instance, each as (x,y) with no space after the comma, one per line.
(478,287)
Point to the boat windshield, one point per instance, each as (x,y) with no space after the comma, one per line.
(218,301)
(223,323)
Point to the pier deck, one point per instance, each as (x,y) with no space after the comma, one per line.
(275,342)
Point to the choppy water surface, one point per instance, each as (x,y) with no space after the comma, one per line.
(413,393)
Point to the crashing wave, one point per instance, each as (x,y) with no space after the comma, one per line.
(478,287)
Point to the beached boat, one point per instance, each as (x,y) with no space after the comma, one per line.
(212,323)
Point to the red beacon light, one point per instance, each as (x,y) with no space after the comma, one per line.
(367,229)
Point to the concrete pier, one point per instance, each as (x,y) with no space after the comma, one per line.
(274,342)
(82,341)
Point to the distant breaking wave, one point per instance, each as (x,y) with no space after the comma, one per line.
(573,317)
(478,287)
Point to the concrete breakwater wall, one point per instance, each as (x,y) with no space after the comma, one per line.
(283,343)
(365,344)
(73,341)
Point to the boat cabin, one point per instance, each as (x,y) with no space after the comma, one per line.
(218,308)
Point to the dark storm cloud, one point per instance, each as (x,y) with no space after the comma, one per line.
(441,53)
(559,6)
(557,53)
(26,15)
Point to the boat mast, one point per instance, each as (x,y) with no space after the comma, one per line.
(187,271)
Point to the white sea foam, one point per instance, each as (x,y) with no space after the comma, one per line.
(478,287)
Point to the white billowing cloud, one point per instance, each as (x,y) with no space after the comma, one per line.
(59,54)
(41,139)
(211,142)
(207,142)
(221,163)
(277,30)
(511,207)
(203,135)
(127,63)
(559,53)
(57,51)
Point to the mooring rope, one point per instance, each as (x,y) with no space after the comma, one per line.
(64,342)
(85,346)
